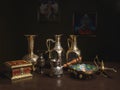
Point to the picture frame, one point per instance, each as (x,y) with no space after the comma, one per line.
(85,24)
(48,11)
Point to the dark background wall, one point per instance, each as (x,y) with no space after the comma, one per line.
(18,17)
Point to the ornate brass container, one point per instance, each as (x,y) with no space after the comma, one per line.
(55,62)
(72,46)
(31,57)
(58,48)
(17,69)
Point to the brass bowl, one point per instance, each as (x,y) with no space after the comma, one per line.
(82,71)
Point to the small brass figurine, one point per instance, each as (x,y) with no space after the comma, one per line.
(40,64)
(101,67)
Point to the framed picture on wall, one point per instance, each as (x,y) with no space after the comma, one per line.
(85,24)
(48,11)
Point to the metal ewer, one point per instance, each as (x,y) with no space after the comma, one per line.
(56,63)
(72,46)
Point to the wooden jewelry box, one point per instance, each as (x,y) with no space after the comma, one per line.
(18,69)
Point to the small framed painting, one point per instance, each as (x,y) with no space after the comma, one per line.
(48,11)
(85,24)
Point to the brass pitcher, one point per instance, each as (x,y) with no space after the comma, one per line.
(72,46)
(56,63)
(31,57)
(58,48)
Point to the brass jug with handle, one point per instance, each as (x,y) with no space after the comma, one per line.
(72,47)
(58,48)
(56,63)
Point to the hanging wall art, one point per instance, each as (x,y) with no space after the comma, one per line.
(48,11)
(85,24)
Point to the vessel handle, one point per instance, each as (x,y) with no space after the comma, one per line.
(48,44)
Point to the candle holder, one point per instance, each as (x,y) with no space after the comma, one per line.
(31,56)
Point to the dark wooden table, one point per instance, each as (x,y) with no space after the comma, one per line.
(43,82)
